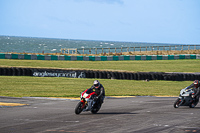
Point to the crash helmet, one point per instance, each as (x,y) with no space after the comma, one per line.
(96,84)
(196,83)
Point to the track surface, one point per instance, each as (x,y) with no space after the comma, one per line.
(117,115)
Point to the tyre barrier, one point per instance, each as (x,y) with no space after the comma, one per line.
(16,71)
(40,72)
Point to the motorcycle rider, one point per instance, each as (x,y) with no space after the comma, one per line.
(99,90)
(196,87)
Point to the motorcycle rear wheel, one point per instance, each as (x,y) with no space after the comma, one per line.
(176,103)
(79,108)
(192,105)
(96,109)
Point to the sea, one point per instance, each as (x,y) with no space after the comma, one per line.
(54,45)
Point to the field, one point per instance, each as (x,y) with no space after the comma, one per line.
(15,86)
(24,86)
(191,65)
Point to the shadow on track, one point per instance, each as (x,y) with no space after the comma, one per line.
(115,113)
(108,113)
(185,107)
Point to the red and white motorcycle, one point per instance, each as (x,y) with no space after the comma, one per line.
(88,102)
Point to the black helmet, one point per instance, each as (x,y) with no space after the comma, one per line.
(196,83)
(96,84)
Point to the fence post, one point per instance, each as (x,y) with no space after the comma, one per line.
(121,49)
(90,50)
(140,49)
(96,51)
(152,48)
(115,50)
(146,48)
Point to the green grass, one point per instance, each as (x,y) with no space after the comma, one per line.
(191,65)
(71,87)
(22,86)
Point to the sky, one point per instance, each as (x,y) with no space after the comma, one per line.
(151,21)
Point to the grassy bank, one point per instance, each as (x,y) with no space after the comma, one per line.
(16,86)
(191,65)
(70,87)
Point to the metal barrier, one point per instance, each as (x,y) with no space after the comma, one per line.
(128,49)
(98,58)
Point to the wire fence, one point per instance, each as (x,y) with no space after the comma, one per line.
(128,49)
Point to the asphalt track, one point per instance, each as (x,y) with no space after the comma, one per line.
(117,115)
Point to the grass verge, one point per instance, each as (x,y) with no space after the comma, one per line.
(24,86)
(190,65)
(71,87)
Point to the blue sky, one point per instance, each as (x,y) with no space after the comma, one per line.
(153,21)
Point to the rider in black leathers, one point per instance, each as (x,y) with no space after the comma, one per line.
(196,87)
(99,90)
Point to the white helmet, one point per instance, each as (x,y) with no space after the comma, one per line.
(96,84)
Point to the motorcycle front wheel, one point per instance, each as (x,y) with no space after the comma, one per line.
(79,108)
(176,103)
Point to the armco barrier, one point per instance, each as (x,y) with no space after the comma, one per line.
(97,58)
(40,72)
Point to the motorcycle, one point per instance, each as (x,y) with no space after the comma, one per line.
(186,98)
(88,102)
